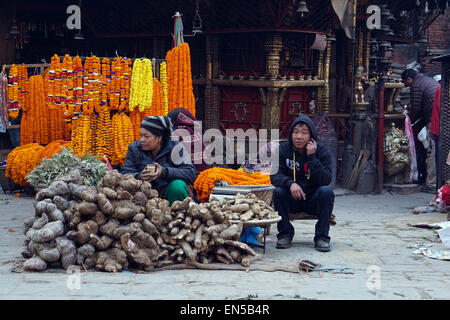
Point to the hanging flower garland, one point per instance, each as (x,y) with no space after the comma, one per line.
(114,93)
(68,88)
(179,79)
(163,76)
(122,136)
(158,100)
(136,120)
(3,100)
(125,84)
(103,134)
(78,85)
(35,118)
(141,90)
(13,92)
(106,81)
(55,106)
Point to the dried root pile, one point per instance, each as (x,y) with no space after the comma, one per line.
(122,224)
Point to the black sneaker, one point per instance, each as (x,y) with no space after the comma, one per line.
(284,243)
(322,246)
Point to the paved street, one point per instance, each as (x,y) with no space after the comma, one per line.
(371,232)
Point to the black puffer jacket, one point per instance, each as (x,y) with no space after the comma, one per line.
(319,164)
(422,98)
(137,159)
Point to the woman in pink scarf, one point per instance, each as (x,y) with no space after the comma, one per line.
(182,119)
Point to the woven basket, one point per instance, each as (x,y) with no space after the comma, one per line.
(6,183)
(262,192)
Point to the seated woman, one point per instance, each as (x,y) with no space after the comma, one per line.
(182,120)
(173,181)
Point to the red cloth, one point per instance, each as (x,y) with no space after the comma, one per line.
(435,113)
(443,194)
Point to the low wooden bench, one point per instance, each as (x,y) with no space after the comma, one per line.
(307,216)
(301,216)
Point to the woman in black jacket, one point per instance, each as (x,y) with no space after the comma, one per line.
(173,174)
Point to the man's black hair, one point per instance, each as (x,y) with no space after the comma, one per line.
(408,73)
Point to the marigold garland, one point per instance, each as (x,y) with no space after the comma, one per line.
(163,77)
(141,90)
(179,79)
(35,118)
(122,136)
(206,179)
(21,161)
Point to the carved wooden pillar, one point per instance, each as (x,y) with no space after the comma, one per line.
(273,46)
(212,93)
(367,46)
(326,78)
(271,99)
(320,91)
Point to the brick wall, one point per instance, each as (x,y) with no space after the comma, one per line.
(438,35)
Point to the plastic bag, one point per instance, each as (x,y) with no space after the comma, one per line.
(422,136)
(414,172)
(443,194)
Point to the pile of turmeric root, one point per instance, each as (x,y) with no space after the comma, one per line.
(122,224)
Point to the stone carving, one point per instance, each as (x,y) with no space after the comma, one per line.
(397,159)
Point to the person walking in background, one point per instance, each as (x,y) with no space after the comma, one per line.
(423,90)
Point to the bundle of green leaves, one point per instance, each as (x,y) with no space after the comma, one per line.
(63,163)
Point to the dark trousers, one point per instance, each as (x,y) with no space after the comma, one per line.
(319,204)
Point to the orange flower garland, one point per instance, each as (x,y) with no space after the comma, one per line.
(78,85)
(13,92)
(53,147)
(35,119)
(21,161)
(103,134)
(206,179)
(179,78)
(123,135)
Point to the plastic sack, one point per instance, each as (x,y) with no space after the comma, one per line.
(443,194)
(422,136)
(414,172)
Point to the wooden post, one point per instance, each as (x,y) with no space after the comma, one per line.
(271,109)
(212,93)
(326,103)
(320,91)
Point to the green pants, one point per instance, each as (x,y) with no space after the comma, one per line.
(176,190)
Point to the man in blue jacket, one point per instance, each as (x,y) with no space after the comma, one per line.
(302,183)
(172,179)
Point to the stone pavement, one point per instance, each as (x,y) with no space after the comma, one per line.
(371,234)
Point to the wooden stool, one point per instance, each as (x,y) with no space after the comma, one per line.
(308,216)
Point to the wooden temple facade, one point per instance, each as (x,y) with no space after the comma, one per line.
(255,63)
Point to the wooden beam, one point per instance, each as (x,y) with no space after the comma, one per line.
(268,83)
(272,13)
(211,32)
(283,14)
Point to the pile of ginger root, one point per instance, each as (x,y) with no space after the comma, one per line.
(122,224)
